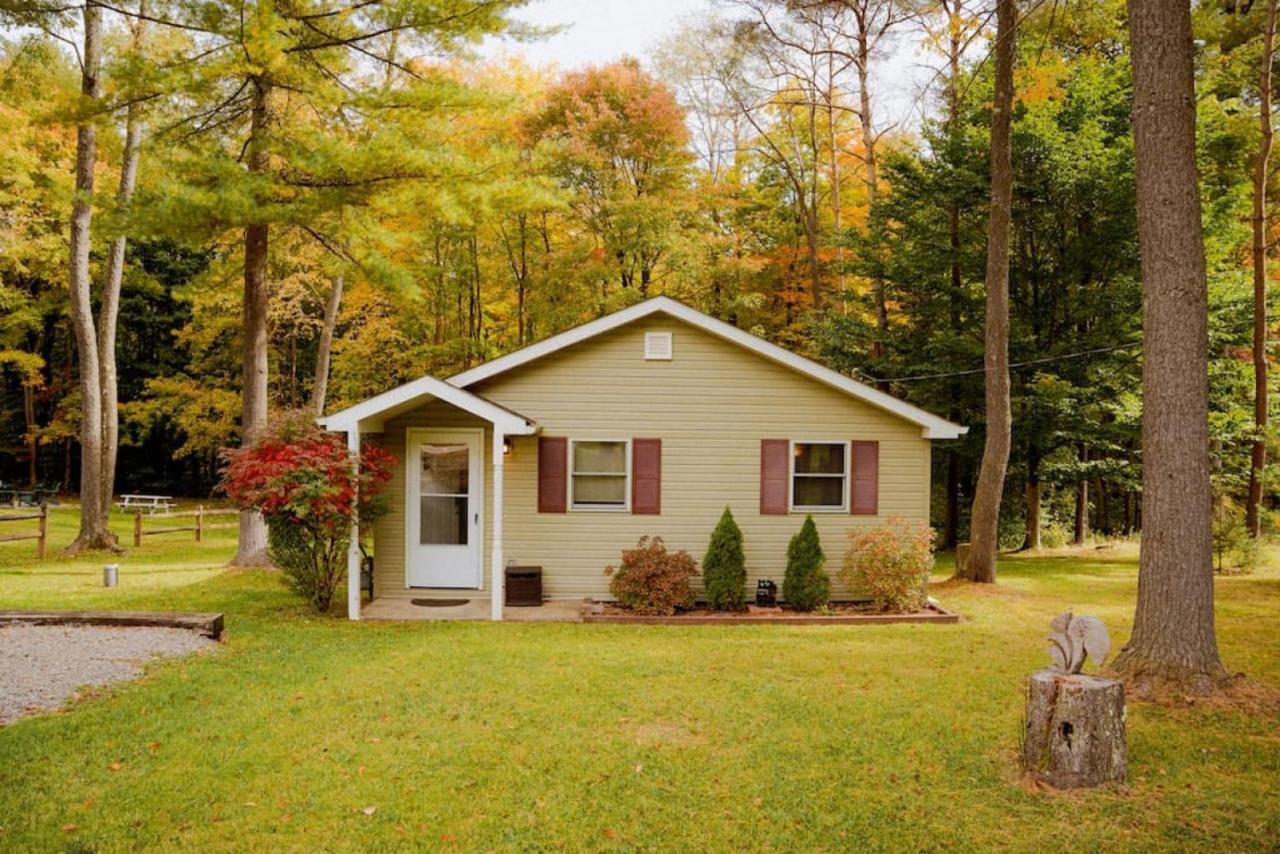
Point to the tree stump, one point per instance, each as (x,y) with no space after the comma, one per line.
(1075,730)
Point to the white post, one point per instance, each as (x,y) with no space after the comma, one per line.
(353,549)
(496,584)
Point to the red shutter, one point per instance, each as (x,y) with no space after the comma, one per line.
(864,492)
(553,477)
(646,476)
(775,468)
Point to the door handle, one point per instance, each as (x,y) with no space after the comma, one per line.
(477,517)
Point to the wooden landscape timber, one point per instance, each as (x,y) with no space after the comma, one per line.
(209,625)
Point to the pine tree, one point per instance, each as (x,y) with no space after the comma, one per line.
(806,585)
(724,569)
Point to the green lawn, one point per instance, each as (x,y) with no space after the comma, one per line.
(528,736)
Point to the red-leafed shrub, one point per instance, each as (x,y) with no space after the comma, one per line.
(310,489)
(653,580)
(890,564)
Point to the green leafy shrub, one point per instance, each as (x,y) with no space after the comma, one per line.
(653,580)
(806,585)
(891,564)
(1055,534)
(1229,532)
(724,569)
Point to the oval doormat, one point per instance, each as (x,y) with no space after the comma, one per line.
(439,603)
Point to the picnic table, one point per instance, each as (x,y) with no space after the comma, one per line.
(148,503)
(12,495)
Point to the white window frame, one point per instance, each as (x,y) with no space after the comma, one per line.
(846,477)
(651,355)
(625,507)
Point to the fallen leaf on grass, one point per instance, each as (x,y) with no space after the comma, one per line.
(68,828)
(610,833)
(116,766)
(369,810)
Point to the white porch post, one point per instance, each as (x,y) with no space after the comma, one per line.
(353,549)
(497,582)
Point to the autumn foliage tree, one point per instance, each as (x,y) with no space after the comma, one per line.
(621,146)
(311,490)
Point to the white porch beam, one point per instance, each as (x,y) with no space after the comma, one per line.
(497,582)
(353,548)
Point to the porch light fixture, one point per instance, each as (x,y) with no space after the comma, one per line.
(507,446)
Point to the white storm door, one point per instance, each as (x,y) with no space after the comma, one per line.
(445,479)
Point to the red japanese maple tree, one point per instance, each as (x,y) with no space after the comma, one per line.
(311,489)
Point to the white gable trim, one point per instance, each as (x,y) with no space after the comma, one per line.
(376,409)
(933,426)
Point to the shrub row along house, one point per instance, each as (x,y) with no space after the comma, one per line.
(647,421)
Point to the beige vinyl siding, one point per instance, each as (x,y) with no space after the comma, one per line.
(711,404)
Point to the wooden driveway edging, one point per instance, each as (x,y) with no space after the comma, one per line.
(209,625)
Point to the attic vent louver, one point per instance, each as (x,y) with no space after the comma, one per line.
(657,346)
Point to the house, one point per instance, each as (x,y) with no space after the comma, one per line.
(649,420)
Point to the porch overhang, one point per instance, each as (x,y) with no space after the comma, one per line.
(371,415)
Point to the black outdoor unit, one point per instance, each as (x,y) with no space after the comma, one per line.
(524,586)
(766,593)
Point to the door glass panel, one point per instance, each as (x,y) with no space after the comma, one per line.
(444,520)
(445,470)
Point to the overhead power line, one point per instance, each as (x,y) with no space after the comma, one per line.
(1041,361)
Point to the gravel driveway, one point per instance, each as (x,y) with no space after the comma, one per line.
(42,666)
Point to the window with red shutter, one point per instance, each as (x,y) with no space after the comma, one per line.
(864,498)
(775,468)
(553,468)
(646,476)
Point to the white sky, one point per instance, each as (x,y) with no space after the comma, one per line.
(600,31)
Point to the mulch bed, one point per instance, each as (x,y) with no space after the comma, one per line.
(839,613)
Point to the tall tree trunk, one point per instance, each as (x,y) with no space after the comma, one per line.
(1081,532)
(1258,462)
(1033,514)
(833,169)
(94,533)
(951,523)
(109,311)
(30,437)
(320,388)
(1174,639)
(985,524)
(252,547)
(862,64)
(1104,508)
(809,215)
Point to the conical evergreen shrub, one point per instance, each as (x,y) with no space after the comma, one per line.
(724,569)
(806,585)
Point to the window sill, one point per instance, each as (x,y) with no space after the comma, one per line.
(799,510)
(589,509)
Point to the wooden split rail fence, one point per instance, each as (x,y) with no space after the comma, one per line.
(42,533)
(199,525)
